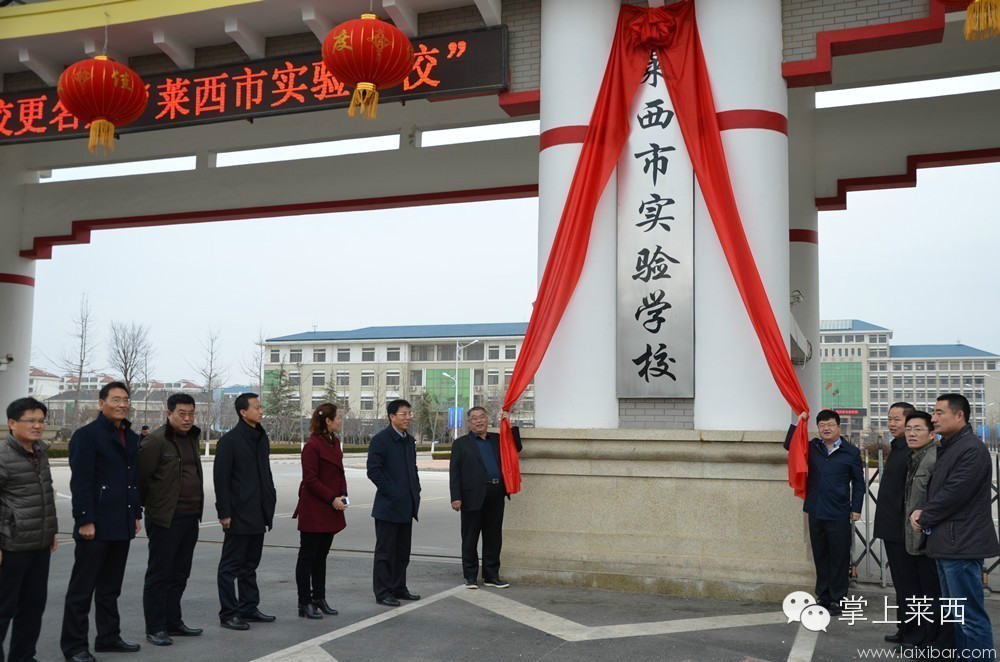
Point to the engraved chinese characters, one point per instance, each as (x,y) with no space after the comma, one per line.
(655,250)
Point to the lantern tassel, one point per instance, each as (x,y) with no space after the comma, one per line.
(365,99)
(102,132)
(983,20)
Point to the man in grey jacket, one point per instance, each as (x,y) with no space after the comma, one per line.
(958,521)
(27,527)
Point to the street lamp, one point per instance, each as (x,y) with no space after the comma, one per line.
(458,354)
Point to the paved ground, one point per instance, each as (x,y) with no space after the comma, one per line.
(451,623)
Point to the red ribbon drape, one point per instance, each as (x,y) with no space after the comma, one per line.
(673,33)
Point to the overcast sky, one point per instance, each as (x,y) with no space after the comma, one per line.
(472,262)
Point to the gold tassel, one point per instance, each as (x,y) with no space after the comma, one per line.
(365,99)
(983,20)
(102,132)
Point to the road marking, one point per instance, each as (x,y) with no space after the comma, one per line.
(307,650)
(64,496)
(803,646)
(568,630)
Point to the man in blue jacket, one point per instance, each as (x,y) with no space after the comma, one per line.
(392,466)
(103,458)
(834,492)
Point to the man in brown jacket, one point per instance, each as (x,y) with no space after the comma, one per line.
(27,527)
(171,486)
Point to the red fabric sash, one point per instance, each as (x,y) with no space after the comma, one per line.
(672,32)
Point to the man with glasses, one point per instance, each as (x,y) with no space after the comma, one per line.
(28,531)
(103,458)
(171,485)
(478,492)
(958,521)
(834,492)
(392,466)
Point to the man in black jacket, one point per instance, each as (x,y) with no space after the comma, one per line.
(835,489)
(958,521)
(28,531)
(244,499)
(171,486)
(392,466)
(103,458)
(890,518)
(478,491)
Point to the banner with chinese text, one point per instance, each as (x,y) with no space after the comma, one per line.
(655,250)
(455,64)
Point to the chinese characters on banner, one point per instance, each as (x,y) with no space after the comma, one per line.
(655,251)
(457,64)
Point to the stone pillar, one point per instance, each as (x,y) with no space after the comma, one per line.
(734,387)
(803,235)
(575,385)
(17,283)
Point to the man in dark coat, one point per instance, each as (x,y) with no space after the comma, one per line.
(28,528)
(392,466)
(834,492)
(958,520)
(244,499)
(478,492)
(103,456)
(889,520)
(171,486)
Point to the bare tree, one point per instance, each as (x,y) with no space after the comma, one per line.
(79,360)
(128,347)
(213,373)
(253,364)
(144,372)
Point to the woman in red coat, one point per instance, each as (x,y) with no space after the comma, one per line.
(320,510)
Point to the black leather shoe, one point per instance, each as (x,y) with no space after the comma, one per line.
(894,638)
(388,602)
(184,631)
(235,623)
(120,646)
(160,638)
(325,608)
(257,616)
(406,595)
(82,656)
(310,611)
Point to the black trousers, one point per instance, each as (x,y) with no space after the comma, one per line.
(98,569)
(917,577)
(238,568)
(487,521)
(24,581)
(310,569)
(903,568)
(171,551)
(392,555)
(831,548)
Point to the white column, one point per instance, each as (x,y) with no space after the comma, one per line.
(803,217)
(17,275)
(734,388)
(575,385)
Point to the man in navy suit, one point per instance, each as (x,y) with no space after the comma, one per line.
(103,458)
(834,492)
(392,466)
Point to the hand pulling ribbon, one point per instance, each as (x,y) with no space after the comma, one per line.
(673,33)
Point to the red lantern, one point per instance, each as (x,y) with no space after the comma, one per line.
(105,94)
(368,55)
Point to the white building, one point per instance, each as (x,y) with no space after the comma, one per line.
(43,385)
(368,367)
